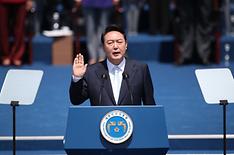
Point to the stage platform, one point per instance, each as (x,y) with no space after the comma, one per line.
(193,126)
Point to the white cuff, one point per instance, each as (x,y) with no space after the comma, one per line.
(76,78)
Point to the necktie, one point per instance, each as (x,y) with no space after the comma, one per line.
(117,83)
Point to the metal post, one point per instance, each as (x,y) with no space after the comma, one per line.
(224,103)
(14,104)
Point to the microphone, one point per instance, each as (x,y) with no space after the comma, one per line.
(103,77)
(126,77)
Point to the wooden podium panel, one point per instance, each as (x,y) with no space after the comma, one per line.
(62,50)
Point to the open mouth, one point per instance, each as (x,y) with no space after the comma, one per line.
(116,53)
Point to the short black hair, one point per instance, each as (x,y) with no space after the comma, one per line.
(113,28)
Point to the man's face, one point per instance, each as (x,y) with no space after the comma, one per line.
(114,46)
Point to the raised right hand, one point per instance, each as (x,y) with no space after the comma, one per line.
(79,68)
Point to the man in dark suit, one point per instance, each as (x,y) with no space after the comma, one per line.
(114,81)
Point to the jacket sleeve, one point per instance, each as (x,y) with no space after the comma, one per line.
(78,91)
(148,96)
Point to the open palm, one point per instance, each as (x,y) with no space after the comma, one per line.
(79,68)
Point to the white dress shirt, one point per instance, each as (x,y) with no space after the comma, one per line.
(115,73)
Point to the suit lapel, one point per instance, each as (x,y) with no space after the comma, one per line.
(107,83)
(130,70)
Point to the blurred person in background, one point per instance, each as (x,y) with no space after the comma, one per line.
(97,16)
(12,19)
(194,30)
(159,16)
(132,10)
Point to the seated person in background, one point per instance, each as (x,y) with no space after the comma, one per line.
(15,10)
(114,81)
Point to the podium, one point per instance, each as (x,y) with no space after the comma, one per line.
(83,136)
(62,50)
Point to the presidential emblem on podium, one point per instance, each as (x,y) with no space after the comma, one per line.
(116,127)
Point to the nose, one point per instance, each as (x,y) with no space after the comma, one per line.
(115,45)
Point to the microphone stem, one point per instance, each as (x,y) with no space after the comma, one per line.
(100,93)
(131,96)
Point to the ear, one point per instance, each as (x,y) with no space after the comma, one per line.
(126,46)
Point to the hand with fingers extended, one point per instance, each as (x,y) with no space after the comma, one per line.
(79,68)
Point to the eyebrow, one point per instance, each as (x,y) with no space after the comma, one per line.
(114,40)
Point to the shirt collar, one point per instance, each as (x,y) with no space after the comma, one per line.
(121,66)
